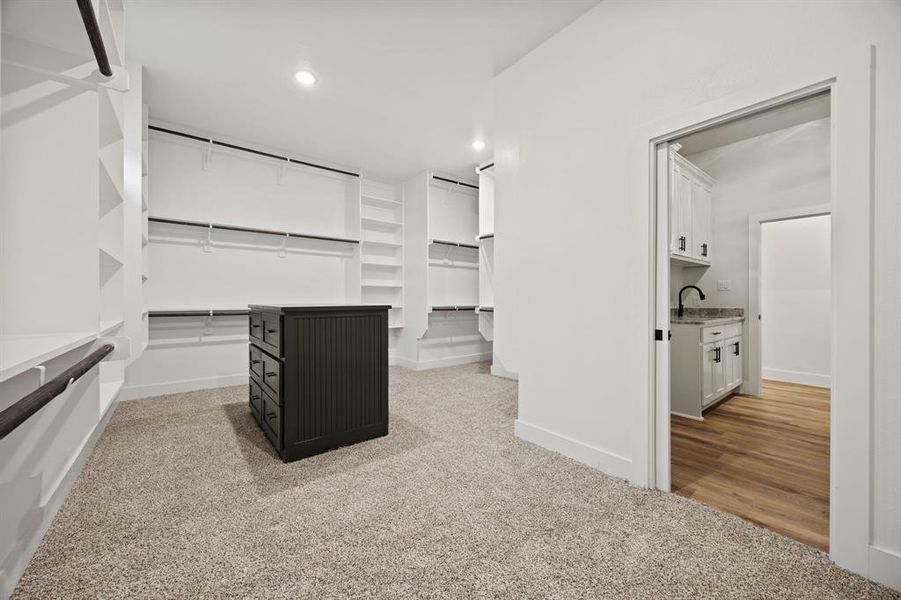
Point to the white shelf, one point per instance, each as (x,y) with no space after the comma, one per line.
(107,327)
(379,201)
(396,326)
(18,353)
(378,243)
(372,263)
(381,222)
(382,284)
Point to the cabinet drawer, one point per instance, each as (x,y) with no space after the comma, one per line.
(256,399)
(272,420)
(256,361)
(255,323)
(272,376)
(732,330)
(713,334)
(272,334)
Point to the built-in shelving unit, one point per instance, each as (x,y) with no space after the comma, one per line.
(284,234)
(382,260)
(485,240)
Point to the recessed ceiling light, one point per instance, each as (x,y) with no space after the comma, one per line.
(478,145)
(305,78)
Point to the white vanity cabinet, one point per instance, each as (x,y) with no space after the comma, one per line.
(706,365)
(691,212)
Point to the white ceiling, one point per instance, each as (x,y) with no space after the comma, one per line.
(404,85)
(768,121)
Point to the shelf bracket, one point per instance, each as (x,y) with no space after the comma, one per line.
(208,244)
(282,251)
(42,374)
(207,156)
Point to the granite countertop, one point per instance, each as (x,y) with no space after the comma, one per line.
(707,316)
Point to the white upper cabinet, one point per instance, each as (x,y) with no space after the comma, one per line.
(691,212)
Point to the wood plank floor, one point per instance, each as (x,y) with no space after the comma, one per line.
(765,459)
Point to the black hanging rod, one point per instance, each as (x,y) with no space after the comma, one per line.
(487,236)
(457,244)
(251,230)
(251,150)
(486,309)
(469,185)
(486,167)
(93,30)
(198,313)
(453,308)
(19,412)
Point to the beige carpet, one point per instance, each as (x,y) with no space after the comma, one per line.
(183,498)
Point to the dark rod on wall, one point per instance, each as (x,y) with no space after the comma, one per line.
(486,167)
(487,236)
(251,230)
(19,412)
(198,313)
(250,150)
(93,30)
(469,185)
(453,308)
(486,309)
(456,244)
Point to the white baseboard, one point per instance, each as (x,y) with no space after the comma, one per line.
(438,363)
(678,414)
(885,567)
(799,377)
(499,371)
(14,570)
(606,462)
(134,392)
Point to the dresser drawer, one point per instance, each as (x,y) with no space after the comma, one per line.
(272,376)
(272,333)
(255,323)
(272,420)
(256,362)
(256,400)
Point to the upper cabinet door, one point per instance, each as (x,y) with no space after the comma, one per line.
(701,230)
(680,211)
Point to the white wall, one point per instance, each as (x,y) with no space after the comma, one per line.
(573,216)
(796,300)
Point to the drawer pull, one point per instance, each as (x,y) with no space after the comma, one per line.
(254,397)
(737,346)
(271,330)
(270,415)
(716,333)
(254,326)
(255,362)
(271,373)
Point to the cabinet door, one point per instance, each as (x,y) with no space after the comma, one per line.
(719,369)
(735,352)
(708,372)
(675,207)
(700,217)
(680,211)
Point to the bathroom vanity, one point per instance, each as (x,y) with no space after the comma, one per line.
(706,357)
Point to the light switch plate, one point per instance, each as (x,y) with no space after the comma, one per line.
(724,285)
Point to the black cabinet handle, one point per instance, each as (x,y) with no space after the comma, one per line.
(255,362)
(271,373)
(682,242)
(716,355)
(270,415)
(254,397)
(703,249)
(254,326)
(271,330)
(737,351)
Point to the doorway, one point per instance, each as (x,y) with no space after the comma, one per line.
(740,209)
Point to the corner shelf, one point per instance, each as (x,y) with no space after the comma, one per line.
(23,352)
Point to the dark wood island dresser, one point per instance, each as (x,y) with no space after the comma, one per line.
(318,375)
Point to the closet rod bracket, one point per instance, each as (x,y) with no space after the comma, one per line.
(208,244)
(283,250)
(207,156)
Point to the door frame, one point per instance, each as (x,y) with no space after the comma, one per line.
(849,77)
(752,380)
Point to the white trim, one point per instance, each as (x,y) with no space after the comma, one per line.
(849,76)
(439,363)
(597,458)
(45,513)
(885,567)
(136,392)
(800,377)
(683,415)
(755,231)
(499,371)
